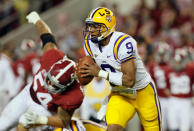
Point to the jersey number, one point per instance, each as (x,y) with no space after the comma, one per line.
(107,67)
(44,98)
(129,47)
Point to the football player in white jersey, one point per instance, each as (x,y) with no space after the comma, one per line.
(117,60)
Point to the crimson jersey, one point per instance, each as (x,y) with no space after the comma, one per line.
(69,100)
(181,82)
(159,73)
(18,67)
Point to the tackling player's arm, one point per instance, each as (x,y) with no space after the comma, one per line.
(65,116)
(32,119)
(44,31)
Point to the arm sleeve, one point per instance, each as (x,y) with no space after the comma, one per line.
(85,50)
(127,50)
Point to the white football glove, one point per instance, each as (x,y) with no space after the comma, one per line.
(64,129)
(101,113)
(31,118)
(33,17)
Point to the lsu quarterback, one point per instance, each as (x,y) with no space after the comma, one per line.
(117,60)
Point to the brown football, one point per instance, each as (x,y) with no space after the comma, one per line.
(84,80)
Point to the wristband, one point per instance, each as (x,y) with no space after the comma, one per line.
(116,78)
(47,37)
(42,120)
(103,74)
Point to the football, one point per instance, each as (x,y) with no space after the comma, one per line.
(84,80)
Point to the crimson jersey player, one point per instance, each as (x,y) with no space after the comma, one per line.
(159,71)
(181,79)
(70,99)
(54,89)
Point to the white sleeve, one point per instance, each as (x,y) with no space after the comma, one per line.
(127,50)
(86,53)
(85,50)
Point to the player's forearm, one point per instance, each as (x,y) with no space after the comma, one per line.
(42,27)
(20,127)
(129,73)
(65,116)
(55,121)
(48,40)
(128,81)
(119,78)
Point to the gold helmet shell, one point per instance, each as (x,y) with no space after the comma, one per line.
(106,18)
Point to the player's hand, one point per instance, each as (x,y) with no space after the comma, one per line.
(102,113)
(32,118)
(33,17)
(89,70)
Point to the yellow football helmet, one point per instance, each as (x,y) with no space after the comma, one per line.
(103,19)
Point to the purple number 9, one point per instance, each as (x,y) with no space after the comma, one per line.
(129,47)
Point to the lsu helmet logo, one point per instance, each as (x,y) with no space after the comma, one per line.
(109,18)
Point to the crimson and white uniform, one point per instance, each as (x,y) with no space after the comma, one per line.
(191,66)
(36,98)
(180,102)
(31,64)
(159,73)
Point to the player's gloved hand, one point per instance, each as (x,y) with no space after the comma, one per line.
(64,129)
(32,118)
(102,113)
(33,17)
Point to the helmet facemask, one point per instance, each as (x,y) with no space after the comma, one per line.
(96,31)
(100,23)
(53,86)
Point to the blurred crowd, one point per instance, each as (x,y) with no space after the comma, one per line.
(13,12)
(165,37)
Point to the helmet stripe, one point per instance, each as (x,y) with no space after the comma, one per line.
(64,70)
(94,11)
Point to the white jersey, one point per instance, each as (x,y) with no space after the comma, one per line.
(120,49)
